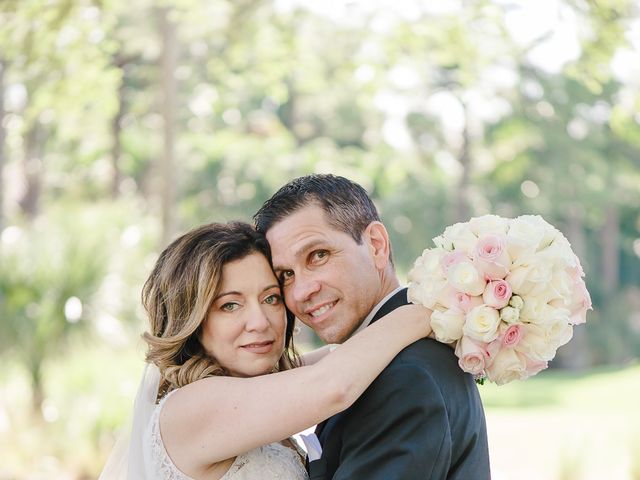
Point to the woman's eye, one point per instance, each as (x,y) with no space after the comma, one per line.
(230,307)
(274,299)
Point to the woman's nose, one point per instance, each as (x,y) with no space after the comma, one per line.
(257,321)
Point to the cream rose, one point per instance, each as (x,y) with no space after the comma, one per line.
(489,224)
(507,366)
(523,238)
(529,276)
(447,325)
(540,342)
(464,277)
(426,265)
(535,310)
(460,237)
(428,292)
(545,232)
(482,324)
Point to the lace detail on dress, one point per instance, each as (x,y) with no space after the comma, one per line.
(273,461)
(158,464)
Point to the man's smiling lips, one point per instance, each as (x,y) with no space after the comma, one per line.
(259,347)
(317,314)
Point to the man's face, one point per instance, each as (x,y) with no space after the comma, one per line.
(330,282)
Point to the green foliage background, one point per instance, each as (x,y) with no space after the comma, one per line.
(110,145)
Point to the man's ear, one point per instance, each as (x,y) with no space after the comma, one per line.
(377,239)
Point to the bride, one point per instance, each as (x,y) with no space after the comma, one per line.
(220,397)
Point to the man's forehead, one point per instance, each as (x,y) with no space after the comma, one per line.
(287,248)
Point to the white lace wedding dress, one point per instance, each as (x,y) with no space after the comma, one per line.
(273,461)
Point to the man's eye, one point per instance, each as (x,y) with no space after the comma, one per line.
(229,306)
(285,277)
(319,255)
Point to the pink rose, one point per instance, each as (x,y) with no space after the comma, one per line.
(451,258)
(512,335)
(497,294)
(533,366)
(581,303)
(492,350)
(471,356)
(576,271)
(464,302)
(491,257)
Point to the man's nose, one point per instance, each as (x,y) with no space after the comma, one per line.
(304,287)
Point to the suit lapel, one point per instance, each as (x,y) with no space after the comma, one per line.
(398,300)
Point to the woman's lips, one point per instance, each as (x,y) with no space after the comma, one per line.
(259,347)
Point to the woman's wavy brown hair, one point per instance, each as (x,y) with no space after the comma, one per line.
(179,293)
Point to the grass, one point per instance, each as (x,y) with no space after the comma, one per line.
(555,426)
(596,389)
(566,426)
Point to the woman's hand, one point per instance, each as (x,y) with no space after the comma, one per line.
(420,315)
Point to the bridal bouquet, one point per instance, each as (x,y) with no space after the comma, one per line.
(507,292)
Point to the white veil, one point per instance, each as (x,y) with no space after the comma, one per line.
(127,459)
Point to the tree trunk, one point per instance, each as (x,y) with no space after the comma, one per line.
(32,171)
(2,141)
(610,236)
(37,388)
(116,146)
(462,192)
(168,109)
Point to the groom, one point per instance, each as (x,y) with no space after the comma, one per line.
(422,418)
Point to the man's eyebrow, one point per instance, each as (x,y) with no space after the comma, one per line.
(303,249)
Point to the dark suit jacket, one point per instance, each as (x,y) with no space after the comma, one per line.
(422,418)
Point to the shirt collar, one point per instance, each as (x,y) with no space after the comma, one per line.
(372,313)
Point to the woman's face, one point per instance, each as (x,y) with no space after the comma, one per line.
(245,327)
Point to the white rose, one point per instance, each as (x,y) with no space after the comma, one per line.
(460,236)
(558,253)
(559,329)
(426,265)
(529,276)
(507,365)
(560,287)
(548,232)
(447,325)
(509,314)
(489,225)
(523,238)
(534,310)
(465,277)
(540,342)
(443,243)
(427,292)
(482,324)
